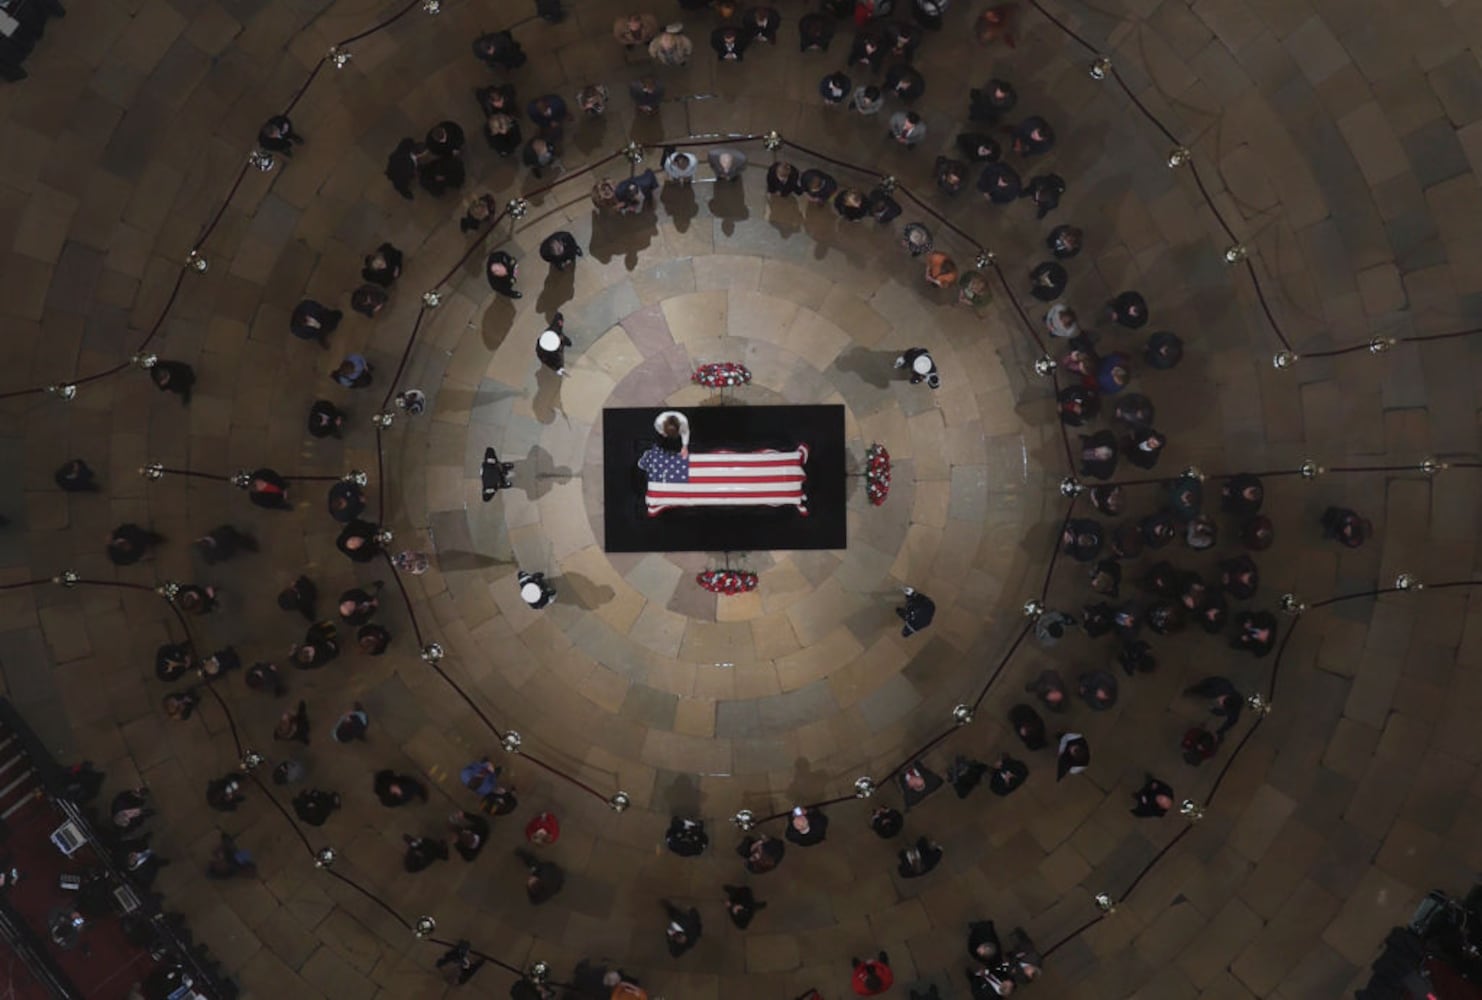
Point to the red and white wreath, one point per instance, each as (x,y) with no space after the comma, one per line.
(727,582)
(722,375)
(877,474)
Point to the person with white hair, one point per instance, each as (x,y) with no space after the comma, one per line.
(727,163)
(918,362)
(535,590)
(672,47)
(550,346)
(674,431)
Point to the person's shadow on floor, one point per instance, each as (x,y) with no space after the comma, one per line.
(547,401)
(876,368)
(536,473)
(679,204)
(587,594)
(559,289)
(498,319)
(728,204)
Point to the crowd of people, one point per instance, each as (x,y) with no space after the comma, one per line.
(880,72)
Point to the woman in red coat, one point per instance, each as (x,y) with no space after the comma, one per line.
(543,829)
(873,977)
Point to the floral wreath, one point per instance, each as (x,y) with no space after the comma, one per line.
(726,582)
(722,374)
(877,473)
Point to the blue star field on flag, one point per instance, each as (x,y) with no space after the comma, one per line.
(664,466)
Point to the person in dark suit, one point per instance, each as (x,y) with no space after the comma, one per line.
(1000,183)
(1064,241)
(548,113)
(470,833)
(917,782)
(382,267)
(1255,632)
(1164,350)
(1153,799)
(807,826)
(502,270)
(835,87)
(1033,137)
(346,501)
(686,837)
(868,50)
(560,250)
(543,879)
(402,166)
(729,43)
(440,174)
(886,822)
(174,376)
(372,639)
(761,854)
(1129,309)
(991,102)
(467,965)
(504,137)
(1144,447)
(1239,577)
(918,859)
(1081,539)
(320,646)
(1007,775)
(818,186)
(445,139)
(325,419)
(129,543)
(269,490)
(1345,526)
(1098,689)
(1226,700)
(916,613)
(741,905)
(1074,756)
(1045,191)
(882,207)
(222,542)
(311,320)
(421,852)
(224,794)
(1099,455)
(1049,688)
(76,476)
(314,805)
(815,32)
(761,24)
(300,596)
(498,50)
(494,474)
(358,541)
(277,135)
(1077,404)
(1028,725)
(194,599)
(976,147)
(683,929)
(394,789)
(783,178)
(905,82)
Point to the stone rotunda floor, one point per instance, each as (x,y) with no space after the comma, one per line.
(1346,163)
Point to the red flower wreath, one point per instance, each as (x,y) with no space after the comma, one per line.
(722,375)
(726,582)
(877,474)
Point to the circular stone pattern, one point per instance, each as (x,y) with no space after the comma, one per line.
(811,665)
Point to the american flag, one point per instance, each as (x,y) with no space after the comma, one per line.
(766,478)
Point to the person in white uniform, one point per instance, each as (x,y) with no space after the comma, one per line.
(674,427)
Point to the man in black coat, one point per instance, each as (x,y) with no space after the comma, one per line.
(807,827)
(560,250)
(502,270)
(683,931)
(358,541)
(917,612)
(401,166)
